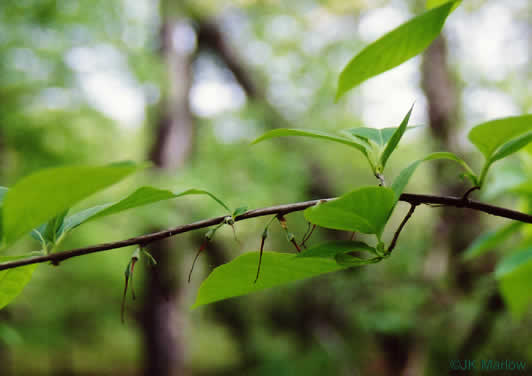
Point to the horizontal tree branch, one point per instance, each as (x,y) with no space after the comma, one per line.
(143,240)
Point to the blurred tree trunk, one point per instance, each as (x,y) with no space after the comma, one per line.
(456,229)
(162,320)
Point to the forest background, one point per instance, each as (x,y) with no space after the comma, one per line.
(187,85)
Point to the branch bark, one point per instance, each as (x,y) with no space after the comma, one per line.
(143,240)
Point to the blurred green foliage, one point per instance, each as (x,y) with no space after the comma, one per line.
(68,317)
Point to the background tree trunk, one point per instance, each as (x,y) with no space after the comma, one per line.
(162,321)
(455,229)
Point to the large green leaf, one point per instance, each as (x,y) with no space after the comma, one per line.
(332,249)
(394,48)
(394,140)
(365,210)
(142,196)
(436,3)
(12,281)
(236,277)
(514,274)
(282,132)
(3,191)
(489,240)
(45,194)
(404,176)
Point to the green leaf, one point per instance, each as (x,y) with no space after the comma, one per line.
(142,196)
(394,48)
(365,210)
(52,230)
(348,260)
(489,240)
(45,194)
(332,249)
(489,136)
(524,188)
(3,191)
(315,134)
(514,274)
(500,138)
(404,176)
(12,281)
(236,277)
(396,137)
(378,136)
(436,3)
(511,147)
(239,211)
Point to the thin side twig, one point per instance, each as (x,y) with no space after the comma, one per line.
(400,228)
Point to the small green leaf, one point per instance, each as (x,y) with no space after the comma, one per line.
(489,240)
(47,193)
(12,281)
(394,48)
(396,137)
(53,228)
(379,136)
(514,274)
(306,133)
(239,211)
(402,180)
(332,249)
(142,196)
(348,260)
(489,136)
(150,258)
(365,210)
(237,277)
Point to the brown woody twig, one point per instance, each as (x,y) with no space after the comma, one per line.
(414,199)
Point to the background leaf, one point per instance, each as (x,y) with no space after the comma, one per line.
(12,281)
(394,48)
(489,240)
(365,210)
(514,274)
(39,197)
(236,277)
